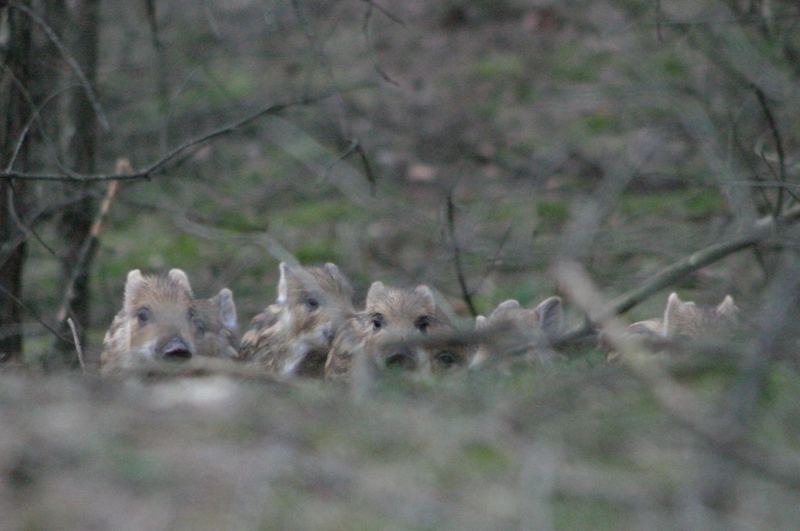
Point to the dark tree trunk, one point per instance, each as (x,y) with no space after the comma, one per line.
(16,112)
(76,219)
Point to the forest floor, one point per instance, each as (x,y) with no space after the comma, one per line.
(577,446)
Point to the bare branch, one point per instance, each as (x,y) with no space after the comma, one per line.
(174,156)
(85,252)
(70,60)
(34,315)
(161,72)
(668,276)
(462,281)
(388,14)
(675,399)
(776,135)
(78,348)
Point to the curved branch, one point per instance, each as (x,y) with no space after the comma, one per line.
(174,156)
(762,230)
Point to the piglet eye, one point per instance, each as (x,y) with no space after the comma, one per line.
(312,303)
(446,359)
(377,321)
(143,316)
(196,321)
(423,323)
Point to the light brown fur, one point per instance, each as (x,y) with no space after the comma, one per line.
(529,330)
(393,316)
(685,319)
(161,317)
(293,336)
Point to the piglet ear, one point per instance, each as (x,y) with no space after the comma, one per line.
(727,308)
(227,309)
(503,308)
(428,299)
(551,316)
(335,273)
(672,313)
(133,284)
(180,278)
(283,282)
(377,291)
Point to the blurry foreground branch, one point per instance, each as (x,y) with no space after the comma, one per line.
(763,229)
(675,399)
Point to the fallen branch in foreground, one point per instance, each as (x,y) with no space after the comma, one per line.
(675,399)
(763,229)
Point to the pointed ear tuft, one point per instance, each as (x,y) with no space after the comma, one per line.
(133,284)
(377,291)
(332,269)
(180,278)
(427,297)
(335,273)
(503,308)
(727,308)
(671,314)
(283,283)
(551,316)
(227,309)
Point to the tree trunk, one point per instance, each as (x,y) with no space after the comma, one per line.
(16,111)
(76,219)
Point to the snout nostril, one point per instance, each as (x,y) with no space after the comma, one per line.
(402,361)
(176,350)
(177,355)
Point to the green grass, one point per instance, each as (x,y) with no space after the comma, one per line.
(315,251)
(499,66)
(552,214)
(692,204)
(315,212)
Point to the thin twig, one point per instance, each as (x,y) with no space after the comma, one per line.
(85,252)
(36,114)
(659,32)
(70,60)
(776,135)
(161,73)
(368,171)
(462,281)
(492,263)
(33,314)
(388,14)
(162,164)
(78,348)
(354,147)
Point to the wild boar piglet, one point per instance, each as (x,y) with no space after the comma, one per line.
(293,336)
(689,320)
(390,334)
(683,320)
(162,320)
(526,332)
